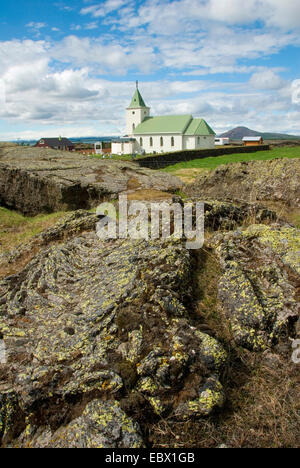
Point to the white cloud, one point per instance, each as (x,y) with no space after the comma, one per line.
(296,92)
(104,8)
(2,92)
(266,80)
(112,57)
(34,25)
(59,84)
(92,25)
(272,12)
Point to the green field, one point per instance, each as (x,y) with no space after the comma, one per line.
(213,162)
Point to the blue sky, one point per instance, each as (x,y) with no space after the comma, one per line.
(69,67)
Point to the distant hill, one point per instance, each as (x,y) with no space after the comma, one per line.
(239,133)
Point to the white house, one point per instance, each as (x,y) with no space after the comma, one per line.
(162,134)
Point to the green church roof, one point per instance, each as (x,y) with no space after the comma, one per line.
(163,124)
(182,124)
(137,100)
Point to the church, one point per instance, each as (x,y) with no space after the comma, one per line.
(146,134)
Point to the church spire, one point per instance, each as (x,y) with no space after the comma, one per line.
(137,100)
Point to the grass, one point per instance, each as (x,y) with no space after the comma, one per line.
(213,162)
(16,228)
(262,411)
(292,215)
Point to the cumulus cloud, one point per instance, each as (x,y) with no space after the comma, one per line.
(112,57)
(2,92)
(61,83)
(266,80)
(296,92)
(181,13)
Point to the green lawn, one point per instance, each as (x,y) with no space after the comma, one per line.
(213,162)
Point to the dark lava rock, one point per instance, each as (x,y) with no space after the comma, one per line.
(260,284)
(34,180)
(97,334)
(277,180)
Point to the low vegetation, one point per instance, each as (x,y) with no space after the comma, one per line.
(16,228)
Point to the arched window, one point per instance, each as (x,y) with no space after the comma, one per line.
(172,141)
(151,141)
(161,141)
(141,142)
(198,140)
(133,127)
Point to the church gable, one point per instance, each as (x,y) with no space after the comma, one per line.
(199,127)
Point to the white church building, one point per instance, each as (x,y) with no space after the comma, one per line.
(146,134)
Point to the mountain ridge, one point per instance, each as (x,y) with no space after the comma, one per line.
(238,133)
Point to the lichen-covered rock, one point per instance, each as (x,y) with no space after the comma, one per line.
(10,415)
(87,320)
(210,396)
(276,180)
(69,226)
(227,215)
(34,180)
(260,283)
(102,424)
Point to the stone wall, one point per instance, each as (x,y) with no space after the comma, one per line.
(168,159)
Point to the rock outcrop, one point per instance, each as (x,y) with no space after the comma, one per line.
(260,285)
(102,337)
(98,336)
(34,180)
(277,180)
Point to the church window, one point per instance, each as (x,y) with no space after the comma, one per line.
(133,127)
(172,141)
(151,141)
(133,112)
(161,141)
(141,141)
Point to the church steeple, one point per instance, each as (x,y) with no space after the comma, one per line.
(137,100)
(137,112)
